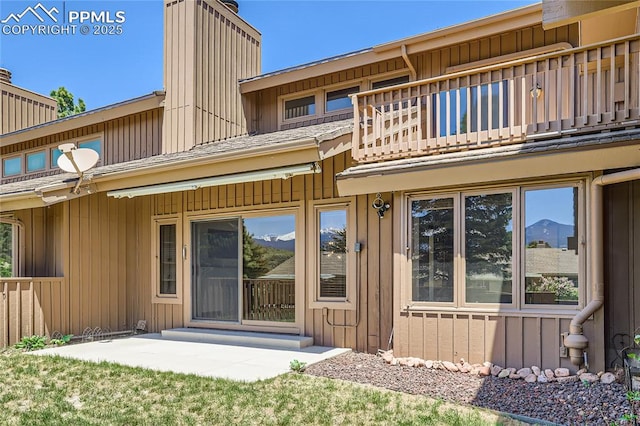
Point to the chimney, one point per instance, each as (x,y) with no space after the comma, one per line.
(208,48)
(5,76)
(231,4)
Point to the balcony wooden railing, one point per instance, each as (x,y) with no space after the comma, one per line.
(269,300)
(580,89)
(31,306)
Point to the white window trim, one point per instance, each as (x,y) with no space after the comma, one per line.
(315,301)
(158,297)
(406,297)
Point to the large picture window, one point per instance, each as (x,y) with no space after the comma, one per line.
(514,247)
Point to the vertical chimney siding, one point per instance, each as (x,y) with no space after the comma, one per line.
(208,48)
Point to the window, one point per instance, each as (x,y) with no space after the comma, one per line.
(94,145)
(432,249)
(445,106)
(12,166)
(334,269)
(389,82)
(551,262)
(55,154)
(300,107)
(269,268)
(36,161)
(517,247)
(7,249)
(488,248)
(339,99)
(167,274)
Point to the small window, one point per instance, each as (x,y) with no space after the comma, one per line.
(12,166)
(36,161)
(168,255)
(7,250)
(390,82)
(94,145)
(333,272)
(339,99)
(55,154)
(300,107)
(332,258)
(167,271)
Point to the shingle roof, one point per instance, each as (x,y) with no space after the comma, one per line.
(319,133)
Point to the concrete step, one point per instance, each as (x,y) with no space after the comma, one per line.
(238,338)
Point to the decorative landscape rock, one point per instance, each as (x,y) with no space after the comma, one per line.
(450,366)
(504,373)
(495,370)
(608,378)
(530,374)
(589,377)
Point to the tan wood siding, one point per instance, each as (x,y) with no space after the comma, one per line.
(128,138)
(507,339)
(374,271)
(427,64)
(622,266)
(33,306)
(21,108)
(208,49)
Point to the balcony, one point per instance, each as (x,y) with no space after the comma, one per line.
(578,90)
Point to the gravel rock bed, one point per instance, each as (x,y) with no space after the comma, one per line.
(564,404)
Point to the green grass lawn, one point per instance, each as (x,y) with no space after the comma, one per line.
(38,390)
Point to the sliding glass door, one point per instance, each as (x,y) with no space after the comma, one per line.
(216,254)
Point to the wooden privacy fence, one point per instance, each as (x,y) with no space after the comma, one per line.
(585,88)
(31,306)
(269,300)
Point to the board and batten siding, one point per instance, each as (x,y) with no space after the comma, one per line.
(375,280)
(124,139)
(622,266)
(432,63)
(208,49)
(20,108)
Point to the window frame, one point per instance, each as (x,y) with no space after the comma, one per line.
(581,243)
(518,240)
(329,90)
(4,168)
(315,301)
(514,247)
(157,296)
(294,96)
(456,246)
(26,161)
(17,245)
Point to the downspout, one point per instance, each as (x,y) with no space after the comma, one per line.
(575,341)
(412,70)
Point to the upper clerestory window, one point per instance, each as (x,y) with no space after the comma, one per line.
(300,107)
(339,99)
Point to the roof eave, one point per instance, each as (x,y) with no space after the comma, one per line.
(88,118)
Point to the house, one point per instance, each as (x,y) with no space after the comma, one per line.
(379,198)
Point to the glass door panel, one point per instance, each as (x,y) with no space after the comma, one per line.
(215,270)
(269,280)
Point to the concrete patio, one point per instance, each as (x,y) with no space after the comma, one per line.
(151,351)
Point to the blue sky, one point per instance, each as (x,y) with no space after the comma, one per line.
(104,69)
